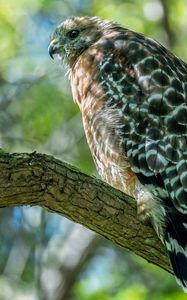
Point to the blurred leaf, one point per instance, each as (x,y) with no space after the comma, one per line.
(42,111)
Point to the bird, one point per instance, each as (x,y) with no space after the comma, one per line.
(132,94)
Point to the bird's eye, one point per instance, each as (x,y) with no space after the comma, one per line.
(73,33)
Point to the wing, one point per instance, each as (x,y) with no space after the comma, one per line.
(149,85)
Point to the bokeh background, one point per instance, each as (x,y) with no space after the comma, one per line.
(43,255)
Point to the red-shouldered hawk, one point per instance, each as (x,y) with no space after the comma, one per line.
(132,93)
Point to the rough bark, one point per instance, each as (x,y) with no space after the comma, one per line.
(39,179)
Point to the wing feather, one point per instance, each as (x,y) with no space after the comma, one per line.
(156,112)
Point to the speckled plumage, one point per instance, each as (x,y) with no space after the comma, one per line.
(132,93)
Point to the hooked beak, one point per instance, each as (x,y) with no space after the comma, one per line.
(53,48)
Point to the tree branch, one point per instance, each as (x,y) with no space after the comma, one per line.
(166,23)
(39,179)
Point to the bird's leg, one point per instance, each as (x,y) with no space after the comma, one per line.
(149,210)
(145,204)
(143,209)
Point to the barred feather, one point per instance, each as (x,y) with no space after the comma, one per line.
(132,93)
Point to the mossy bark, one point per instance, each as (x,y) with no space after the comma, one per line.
(39,179)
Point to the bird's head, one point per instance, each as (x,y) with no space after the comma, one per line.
(74,36)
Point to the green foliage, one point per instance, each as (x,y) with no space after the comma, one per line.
(42,111)
(37,113)
(134,292)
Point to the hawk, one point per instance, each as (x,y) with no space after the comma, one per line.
(132,93)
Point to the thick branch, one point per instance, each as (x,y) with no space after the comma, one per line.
(39,179)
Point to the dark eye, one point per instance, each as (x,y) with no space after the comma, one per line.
(73,33)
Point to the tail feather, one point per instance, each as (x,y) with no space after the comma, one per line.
(179,266)
(176,244)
